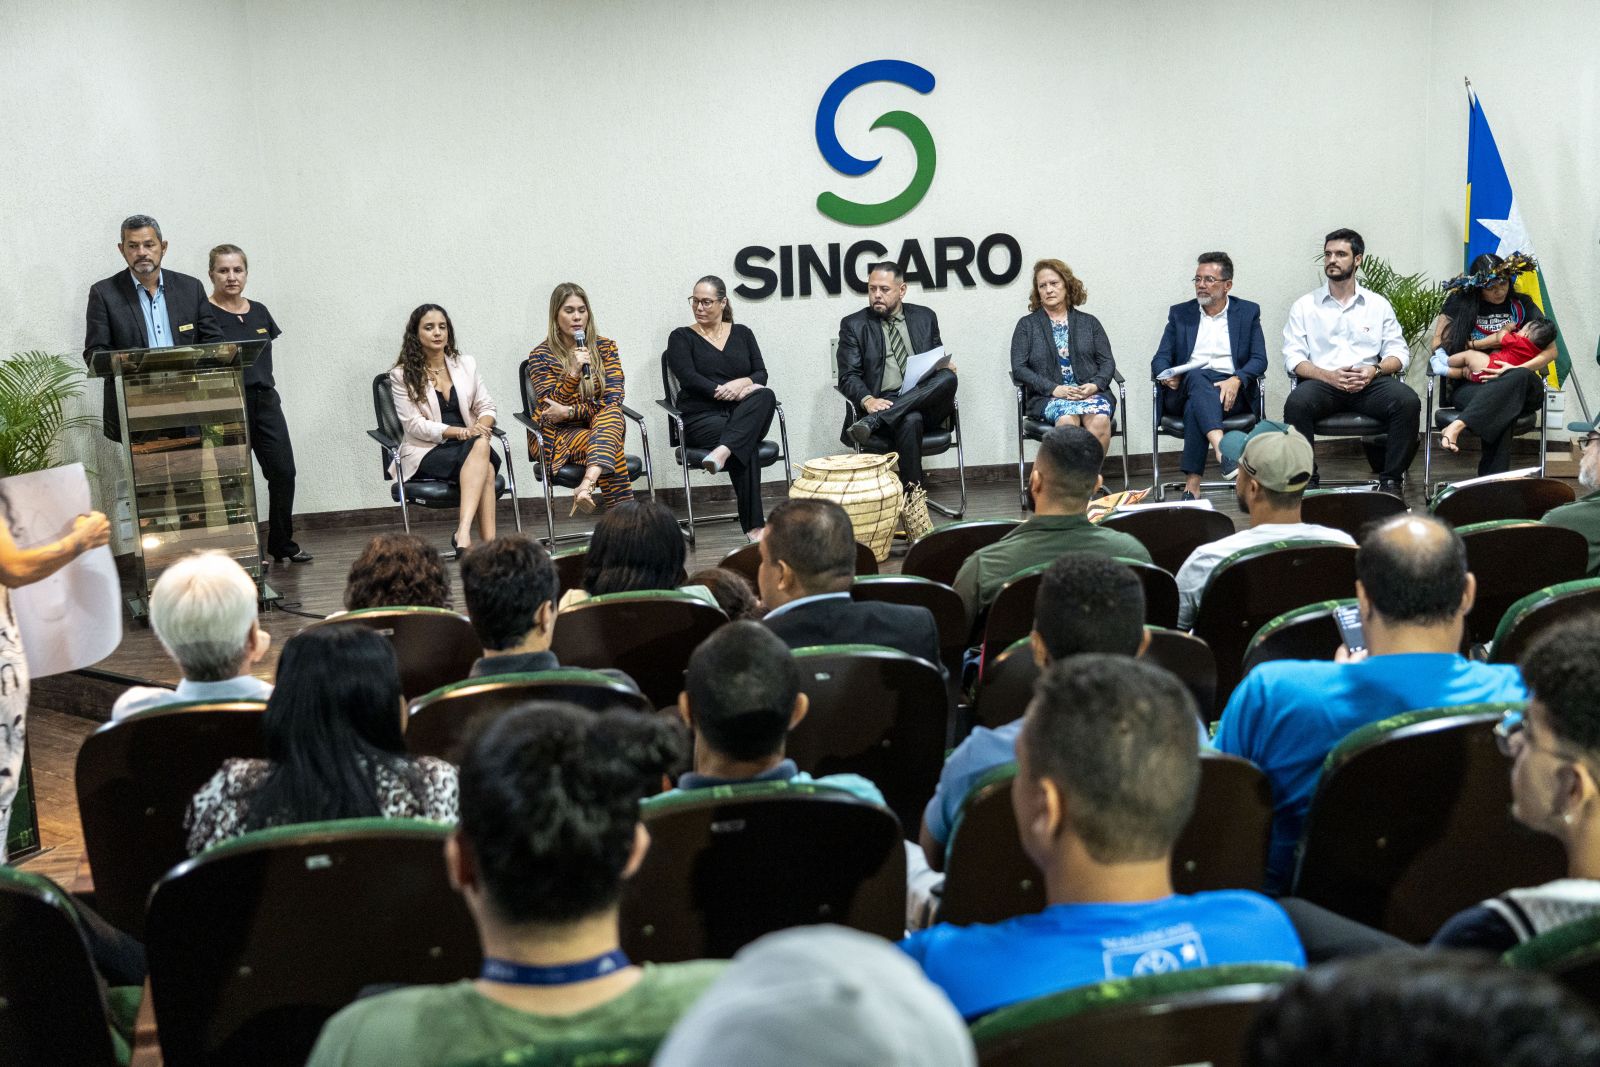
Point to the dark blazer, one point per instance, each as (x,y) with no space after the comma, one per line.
(842,621)
(115,322)
(1244,337)
(1036,366)
(862,351)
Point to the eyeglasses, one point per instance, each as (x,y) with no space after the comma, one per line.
(1207,281)
(702,301)
(1511,735)
(1590,438)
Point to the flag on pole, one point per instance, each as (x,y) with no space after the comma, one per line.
(1494,224)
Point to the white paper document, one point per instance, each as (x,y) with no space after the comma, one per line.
(921,365)
(1197,363)
(73,618)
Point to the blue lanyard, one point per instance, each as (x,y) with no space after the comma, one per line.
(513,973)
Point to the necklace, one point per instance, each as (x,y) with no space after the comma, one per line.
(512,973)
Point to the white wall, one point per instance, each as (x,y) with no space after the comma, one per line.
(372,156)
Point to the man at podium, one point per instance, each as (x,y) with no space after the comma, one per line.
(144,307)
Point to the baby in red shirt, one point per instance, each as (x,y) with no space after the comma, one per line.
(1533,337)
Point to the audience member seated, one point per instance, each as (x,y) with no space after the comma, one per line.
(1414,591)
(203,611)
(1086,603)
(741,698)
(733,592)
(509,585)
(397,570)
(1583,514)
(334,747)
(808,560)
(549,832)
(1274,467)
(820,996)
(1107,771)
(1423,1010)
(1555,784)
(1065,474)
(636,546)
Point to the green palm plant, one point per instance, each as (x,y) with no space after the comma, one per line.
(1416,299)
(34,389)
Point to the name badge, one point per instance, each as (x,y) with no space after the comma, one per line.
(186,327)
(262,330)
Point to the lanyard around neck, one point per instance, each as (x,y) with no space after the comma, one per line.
(513,973)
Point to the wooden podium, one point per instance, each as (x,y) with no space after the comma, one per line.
(186,455)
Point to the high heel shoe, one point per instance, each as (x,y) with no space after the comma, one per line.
(583,498)
(455,548)
(710,466)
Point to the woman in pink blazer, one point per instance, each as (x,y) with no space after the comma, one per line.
(448,416)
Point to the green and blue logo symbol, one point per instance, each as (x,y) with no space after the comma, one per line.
(879,70)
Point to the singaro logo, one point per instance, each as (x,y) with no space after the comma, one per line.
(879,70)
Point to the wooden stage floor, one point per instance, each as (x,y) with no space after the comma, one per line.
(57,726)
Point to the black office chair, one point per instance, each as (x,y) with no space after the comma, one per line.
(571,474)
(1032,429)
(1351,424)
(1172,426)
(425,492)
(1446,413)
(935,442)
(767,453)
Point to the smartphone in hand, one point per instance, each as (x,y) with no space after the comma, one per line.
(1348,619)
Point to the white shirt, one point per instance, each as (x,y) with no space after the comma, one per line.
(1196,570)
(1211,340)
(797,601)
(143,697)
(1335,336)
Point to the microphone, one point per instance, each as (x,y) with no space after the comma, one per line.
(582,339)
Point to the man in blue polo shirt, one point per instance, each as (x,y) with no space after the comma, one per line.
(1107,772)
(1414,592)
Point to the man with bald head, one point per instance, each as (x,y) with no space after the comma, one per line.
(1414,592)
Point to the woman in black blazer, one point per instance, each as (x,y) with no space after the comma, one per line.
(1061,357)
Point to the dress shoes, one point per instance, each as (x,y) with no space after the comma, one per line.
(861,430)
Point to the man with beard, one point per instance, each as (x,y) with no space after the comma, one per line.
(1274,467)
(1584,515)
(874,345)
(1225,332)
(1344,345)
(144,307)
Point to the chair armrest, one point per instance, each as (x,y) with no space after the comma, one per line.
(529,423)
(629,413)
(669,409)
(1116,376)
(384,439)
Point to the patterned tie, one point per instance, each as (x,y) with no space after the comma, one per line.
(897,344)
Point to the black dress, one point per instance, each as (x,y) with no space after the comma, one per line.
(269,431)
(741,425)
(444,460)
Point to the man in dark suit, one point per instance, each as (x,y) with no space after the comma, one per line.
(808,557)
(1226,333)
(874,344)
(144,307)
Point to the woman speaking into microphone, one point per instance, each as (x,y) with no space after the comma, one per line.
(578,401)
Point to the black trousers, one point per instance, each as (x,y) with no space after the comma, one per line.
(1386,398)
(1198,403)
(900,428)
(1489,409)
(741,427)
(269,440)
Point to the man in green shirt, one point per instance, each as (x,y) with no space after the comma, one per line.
(1584,515)
(1065,475)
(549,832)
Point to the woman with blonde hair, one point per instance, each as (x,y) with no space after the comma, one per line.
(578,401)
(1061,356)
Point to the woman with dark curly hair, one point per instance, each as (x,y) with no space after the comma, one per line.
(1060,356)
(636,545)
(334,745)
(1479,314)
(397,570)
(549,835)
(437,390)
(578,401)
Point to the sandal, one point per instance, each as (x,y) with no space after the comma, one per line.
(1446,443)
(583,498)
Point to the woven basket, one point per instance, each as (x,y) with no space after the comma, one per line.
(865,485)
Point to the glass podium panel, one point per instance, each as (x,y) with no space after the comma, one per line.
(188,455)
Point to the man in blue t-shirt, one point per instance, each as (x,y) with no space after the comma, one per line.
(1086,603)
(1107,772)
(1414,592)
(741,697)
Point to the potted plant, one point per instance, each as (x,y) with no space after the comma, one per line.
(1417,301)
(34,390)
